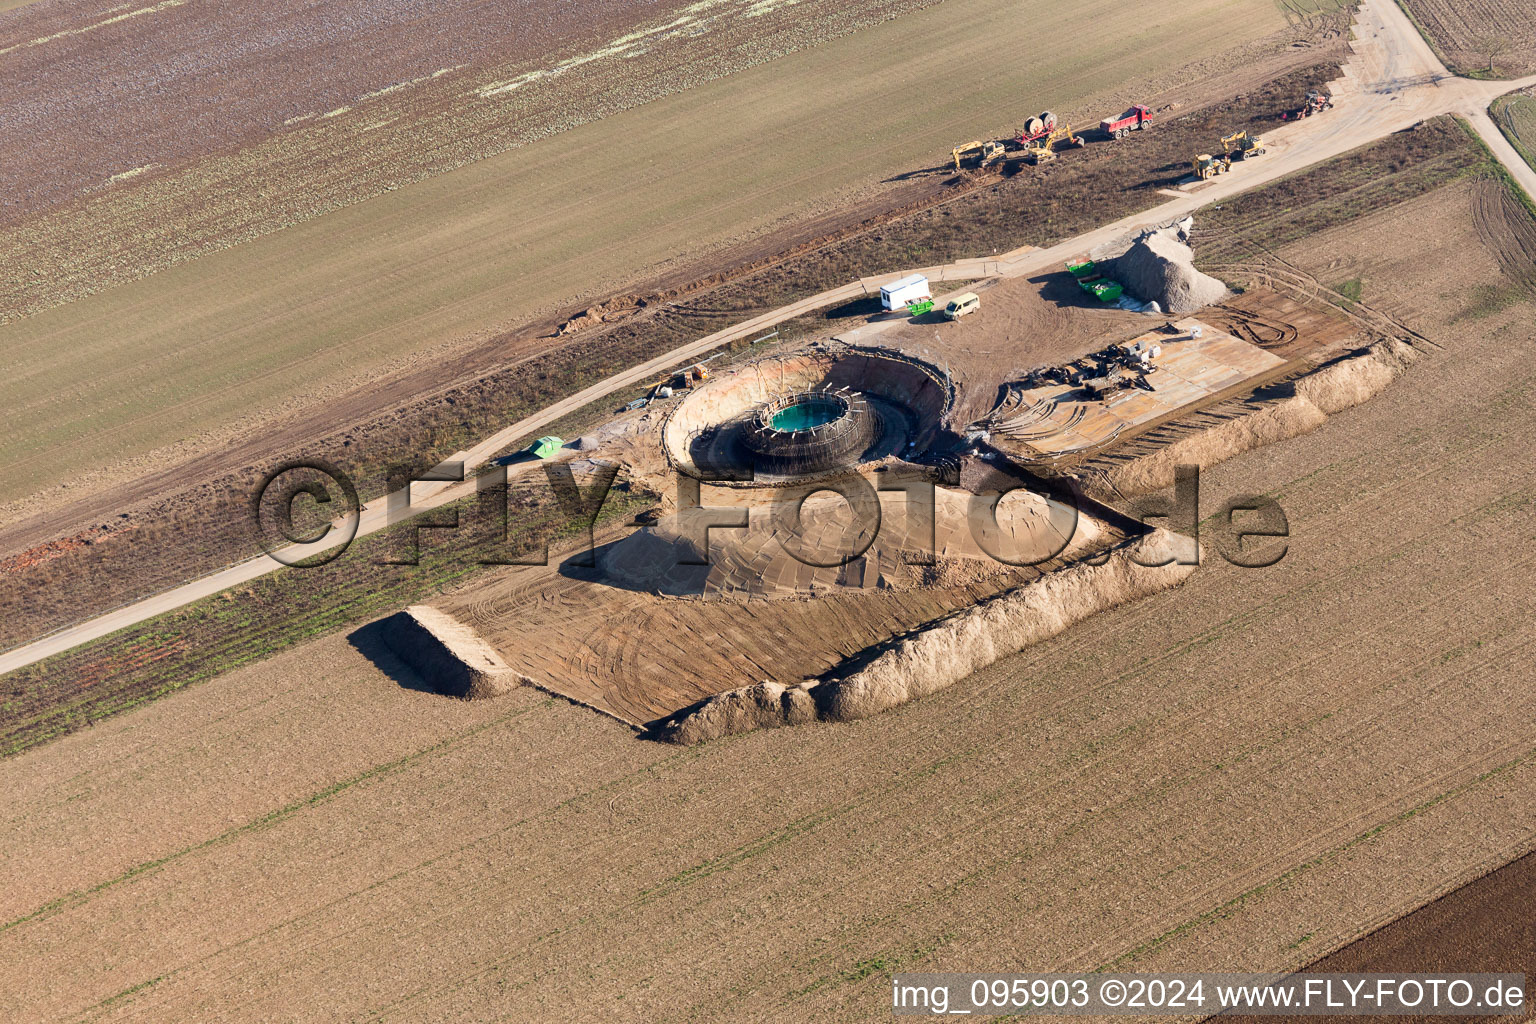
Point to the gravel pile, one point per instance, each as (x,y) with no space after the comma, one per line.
(1159,267)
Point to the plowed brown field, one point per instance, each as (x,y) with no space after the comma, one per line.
(1487,926)
(422,270)
(1470,34)
(1245,773)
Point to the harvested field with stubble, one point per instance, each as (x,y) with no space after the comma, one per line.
(295,317)
(385,75)
(1354,698)
(319,810)
(1483,38)
(444,407)
(219,634)
(1372,178)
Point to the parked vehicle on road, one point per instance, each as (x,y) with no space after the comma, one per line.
(903,291)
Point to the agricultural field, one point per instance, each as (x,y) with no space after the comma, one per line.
(116,547)
(1482,38)
(468,770)
(1516,117)
(1354,697)
(1484,926)
(47,699)
(289,318)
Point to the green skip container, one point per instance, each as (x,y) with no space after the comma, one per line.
(1108,291)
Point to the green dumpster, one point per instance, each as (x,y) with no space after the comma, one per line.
(545,446)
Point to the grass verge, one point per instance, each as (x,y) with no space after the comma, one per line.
(175,650)
(1398,168)
(1515,115)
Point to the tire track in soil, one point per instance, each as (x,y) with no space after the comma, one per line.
(1067,782)
(1508,230)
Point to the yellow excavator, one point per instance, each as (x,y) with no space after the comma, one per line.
(1207,166)
(977,153)
(1240,145)
(1044,148)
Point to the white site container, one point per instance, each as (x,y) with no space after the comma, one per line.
(909,289)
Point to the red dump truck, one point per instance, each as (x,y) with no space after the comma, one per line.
(1133,120)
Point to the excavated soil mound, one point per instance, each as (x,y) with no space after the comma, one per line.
(1337,386)
(1159,267)
(448,655)
(946,652)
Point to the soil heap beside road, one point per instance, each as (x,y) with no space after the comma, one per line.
(1160,268)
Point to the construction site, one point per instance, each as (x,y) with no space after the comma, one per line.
(785,495)
(853,497)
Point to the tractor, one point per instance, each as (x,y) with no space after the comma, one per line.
(1315,103)
(1044,147)
(1206,166)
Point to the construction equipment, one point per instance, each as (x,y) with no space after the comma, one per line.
(1133,120)
(1137,355)
(977,154)
(1240,145)
(1315,103)
(1035,128)
(695,374)
(1111,380)
(1206,166)
(1043,148)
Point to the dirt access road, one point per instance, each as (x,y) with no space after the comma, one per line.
(1392,81)
(354,302)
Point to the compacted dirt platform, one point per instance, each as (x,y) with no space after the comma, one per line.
(1190,366)
(649,628)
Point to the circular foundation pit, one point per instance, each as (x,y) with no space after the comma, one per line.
(811,432)
(807,414)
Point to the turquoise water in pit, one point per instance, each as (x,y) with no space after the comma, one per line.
(805,416)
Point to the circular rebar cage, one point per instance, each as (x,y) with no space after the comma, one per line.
(811,431)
